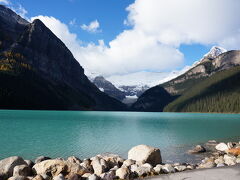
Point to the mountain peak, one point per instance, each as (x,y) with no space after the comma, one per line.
(10,16)
(38,57)
(214,52)
(99,78)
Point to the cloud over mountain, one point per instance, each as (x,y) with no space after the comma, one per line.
(158,28)
(175,22)
(6,2)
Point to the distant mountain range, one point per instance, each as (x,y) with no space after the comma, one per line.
(125,94)
(135,84)
(37,71)
(209,86)
(108,88)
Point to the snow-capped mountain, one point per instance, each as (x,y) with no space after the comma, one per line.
(217,59)
(214,52)
(133,85)
(108,88)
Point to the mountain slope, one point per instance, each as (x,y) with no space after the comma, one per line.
(108,88)
(30,51)
(214,52)
(218,93)
(154,100)
(180,86)
(203,69)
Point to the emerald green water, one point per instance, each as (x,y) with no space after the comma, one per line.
(84,134)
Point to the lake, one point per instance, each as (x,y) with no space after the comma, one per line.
(84,134)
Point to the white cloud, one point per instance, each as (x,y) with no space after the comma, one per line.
(20,10)
(6,2)
(159,27)
(131,51)
(16,7)
(72,22)
(60,30)
(143,78)
(93,27)
(175,22)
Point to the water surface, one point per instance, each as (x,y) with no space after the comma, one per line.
(84,134)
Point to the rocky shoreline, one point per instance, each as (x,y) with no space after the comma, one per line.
(143,161)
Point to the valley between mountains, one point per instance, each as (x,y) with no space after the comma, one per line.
(37,71)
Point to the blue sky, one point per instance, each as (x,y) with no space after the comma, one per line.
(161,35)
(110,14)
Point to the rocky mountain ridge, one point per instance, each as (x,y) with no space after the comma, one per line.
(214,52)
(201,71)
(31,48)
(126,94)
(108,88)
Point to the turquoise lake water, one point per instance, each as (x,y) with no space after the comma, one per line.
(84,134)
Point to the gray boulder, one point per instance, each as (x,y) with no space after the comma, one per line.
(74,168)
(107,175)
(168,168)
(86,175)
(112,160)
(238,160)
(207,163)
(197,149)
(145,154)
(93,177)
(142,170)
(123,173)
(220,165)
(229,160)
(128,162)
(190,167)
(158,169)
(75,177)
(87,164)
(52,167)
(219,160)
(74,159)
(59,177)
(180,168)
(222,147)
(115,168)
(7,165)
(99,165)
(41,158)
(38,177)
(18,178)
(22,170)
(29,163)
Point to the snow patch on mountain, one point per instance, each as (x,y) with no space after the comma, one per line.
(144,78)
(134,84)
(215,52)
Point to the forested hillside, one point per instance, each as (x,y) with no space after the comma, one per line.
(218,93)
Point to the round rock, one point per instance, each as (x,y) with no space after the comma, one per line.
(7,165)
(123,173)
(145,154)
(22,170)
(197,149)
(221,147)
